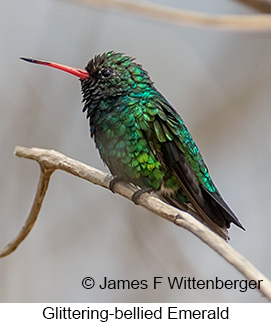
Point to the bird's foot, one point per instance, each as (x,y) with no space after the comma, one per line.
(138,193)
(113,182)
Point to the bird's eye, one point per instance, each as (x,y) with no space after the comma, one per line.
(106,72)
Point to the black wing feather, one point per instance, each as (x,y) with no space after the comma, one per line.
(206,203)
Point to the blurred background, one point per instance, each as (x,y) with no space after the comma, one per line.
(219,81)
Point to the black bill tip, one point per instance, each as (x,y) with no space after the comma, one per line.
(35,61)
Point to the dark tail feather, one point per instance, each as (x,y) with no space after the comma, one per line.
(209,207)
(220,208)
(201,216)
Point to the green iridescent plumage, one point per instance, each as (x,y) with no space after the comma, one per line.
(143,140)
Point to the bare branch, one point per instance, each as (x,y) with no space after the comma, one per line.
(184,17)
(260,5)
(51,160)
(45,174)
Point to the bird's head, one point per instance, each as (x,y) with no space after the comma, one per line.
(106,76)
(115,74)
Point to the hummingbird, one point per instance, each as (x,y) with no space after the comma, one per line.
(143,140)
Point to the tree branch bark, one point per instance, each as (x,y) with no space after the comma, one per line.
(50,160)
(185,17)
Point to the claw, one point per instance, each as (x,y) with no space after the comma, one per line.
(138,193)
(112,183)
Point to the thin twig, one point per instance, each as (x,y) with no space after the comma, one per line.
(184,17)
(45,175)
(50,160)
